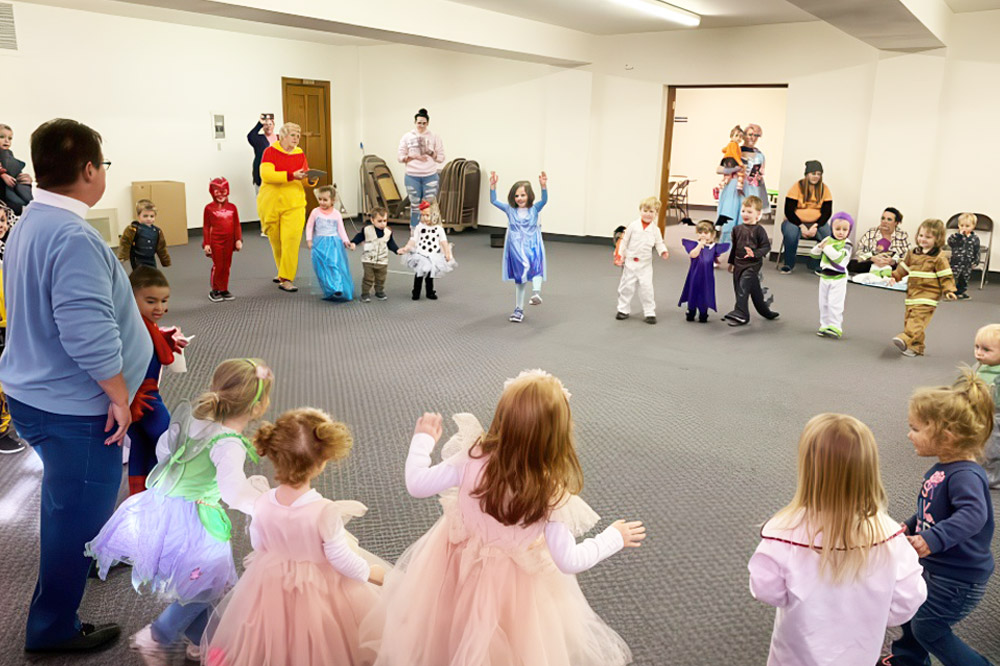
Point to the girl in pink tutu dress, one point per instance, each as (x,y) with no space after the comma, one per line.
(493,580)
(176,534)
(305,589)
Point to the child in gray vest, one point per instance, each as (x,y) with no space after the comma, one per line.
(377,244)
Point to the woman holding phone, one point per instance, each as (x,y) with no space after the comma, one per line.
(281,202)
(421,151)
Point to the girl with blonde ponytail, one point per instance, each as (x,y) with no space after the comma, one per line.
(835,549)
(298,535)
(952,529)
(176,535)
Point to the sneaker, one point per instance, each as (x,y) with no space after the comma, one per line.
(380,295)
(819,273)
(11,444)
(771,315)
(620,316)
(736,321)
(215,296)
(821,333)
(288,286)
(784,270)
(89,638)
(536,299)
(900,343)
(144,642)
(518,316)
(963,296)
(276,280)
(829,333)
(365,298)
(226,296)
(910,353)
(650,319)
(432,296)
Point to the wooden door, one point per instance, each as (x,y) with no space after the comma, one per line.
(307,103)
(668,137)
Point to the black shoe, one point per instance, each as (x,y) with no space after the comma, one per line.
(365,298)
(276,280)
(9,444)
(226,296)
(690,315)
(650,320)
(771,315)
(215,296)
(416,295)
(90,638)
(620,316)
(380,295)
(432,296)
(702,318)
(736,321)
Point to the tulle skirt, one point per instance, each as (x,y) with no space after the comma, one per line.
(467,603)
(333,273)
(432,264)
(288,613)
(170,551)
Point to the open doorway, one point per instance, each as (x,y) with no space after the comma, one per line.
(699,119)
(307,103)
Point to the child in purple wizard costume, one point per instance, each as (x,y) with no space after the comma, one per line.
(699,288)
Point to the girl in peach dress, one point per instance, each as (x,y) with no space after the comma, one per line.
(306,587)
(493,580)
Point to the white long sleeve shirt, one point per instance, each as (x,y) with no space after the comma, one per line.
(637,244)
(425,480)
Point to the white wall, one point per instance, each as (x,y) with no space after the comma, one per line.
(148,88)
(711,113)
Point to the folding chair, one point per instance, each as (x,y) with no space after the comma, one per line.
(984,229)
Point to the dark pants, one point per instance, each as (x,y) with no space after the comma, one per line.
(80,481)
(929,632)
(143,435)
(702,314)
(962,276)
(418,281)
(792,233)
(374,275)
(746,283)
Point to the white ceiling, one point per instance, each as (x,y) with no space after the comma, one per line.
(961,6)
(605,17)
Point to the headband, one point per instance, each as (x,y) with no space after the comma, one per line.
(424,205)
(263,372)
(539,373)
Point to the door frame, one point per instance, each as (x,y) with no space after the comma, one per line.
(668,137)
(325,85)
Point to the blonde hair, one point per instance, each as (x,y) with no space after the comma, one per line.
(144,205)
(989,332)
(531,458)
(936,229)
(753,202)
(434,211)
(963,410)
(300,442)
(705,227)
(839,494)
(237,385)
(288,127)
(650,202)
(7,127)
(326,189)
(968,218)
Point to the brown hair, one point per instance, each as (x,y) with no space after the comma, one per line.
(527,190)
(237,385)
(963,410)
(147,276)
(811,192)
(326,189)
(733,132)
(379,211)
(61,149)
(705,227)
(531,459)
(300,442)
(753,202)
(936,229)
(839,494)
(144,205)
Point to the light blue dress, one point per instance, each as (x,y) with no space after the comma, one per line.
(333,272)
(730,199)
(523,250)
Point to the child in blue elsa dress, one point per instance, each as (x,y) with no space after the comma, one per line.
(523,250)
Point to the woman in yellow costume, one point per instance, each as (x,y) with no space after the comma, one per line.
(281,202)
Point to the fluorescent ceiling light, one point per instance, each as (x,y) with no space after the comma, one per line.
(663,10)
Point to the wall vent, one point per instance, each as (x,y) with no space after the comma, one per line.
(8,37)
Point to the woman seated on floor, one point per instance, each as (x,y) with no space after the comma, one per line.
(882,246)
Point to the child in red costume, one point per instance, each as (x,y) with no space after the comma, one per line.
(220,237)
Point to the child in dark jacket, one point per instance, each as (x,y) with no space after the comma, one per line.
(750,246)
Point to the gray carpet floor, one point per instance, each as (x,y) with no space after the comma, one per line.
(689,427)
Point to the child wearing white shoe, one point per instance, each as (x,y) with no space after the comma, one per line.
(635,257)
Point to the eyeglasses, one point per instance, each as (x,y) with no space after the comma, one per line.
(106,164)
(752,134)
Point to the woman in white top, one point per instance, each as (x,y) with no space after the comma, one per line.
(421,151)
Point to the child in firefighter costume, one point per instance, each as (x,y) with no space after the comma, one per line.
(221,237)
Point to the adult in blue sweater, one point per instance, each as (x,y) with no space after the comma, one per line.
(82,351)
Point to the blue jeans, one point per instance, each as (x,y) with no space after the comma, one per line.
(419,188)
(176,619)
(80,482)
(792,233)
(948,601)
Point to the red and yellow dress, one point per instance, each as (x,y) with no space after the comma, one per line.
(281,205)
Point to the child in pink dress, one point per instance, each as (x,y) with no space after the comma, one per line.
(493,580)
(835,565)
(305,589)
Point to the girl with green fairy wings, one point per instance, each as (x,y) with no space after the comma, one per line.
(176,535)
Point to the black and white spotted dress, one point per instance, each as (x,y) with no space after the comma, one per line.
(427,258)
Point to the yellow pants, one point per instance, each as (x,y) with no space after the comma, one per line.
(914,324)
(285,233)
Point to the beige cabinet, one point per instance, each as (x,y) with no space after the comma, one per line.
(171,207)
